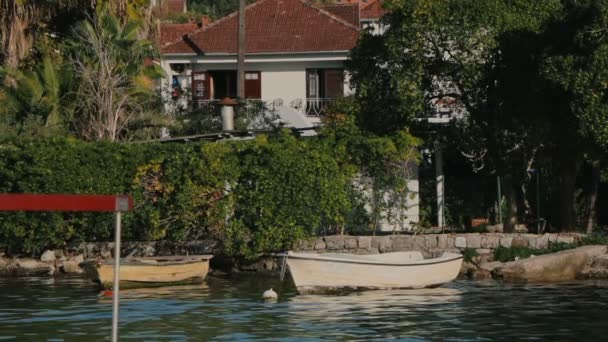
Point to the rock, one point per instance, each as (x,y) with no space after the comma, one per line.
(489,241)
(482,251)
(473,240)
(334,242)
(48,256)
(518,241)
(542,242)
(497,228)
(430,241)
(350,242)
(490,266)
(598,268)
(506,242)
(442,241)
(382,243)
(460,242)
(71,266)
(467,268)
(520,228)
(560,266)
(565,239)
(481,274)
(365,242)
(30,267)
(78,259)
(319,244)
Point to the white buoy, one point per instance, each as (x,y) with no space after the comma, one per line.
(270,294)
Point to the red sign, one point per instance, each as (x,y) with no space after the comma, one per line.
(56,202)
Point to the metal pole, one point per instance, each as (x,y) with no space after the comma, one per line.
(115,298)
(499,200)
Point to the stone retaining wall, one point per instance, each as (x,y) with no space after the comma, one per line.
(431,244)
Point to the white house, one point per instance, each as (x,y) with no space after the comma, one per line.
(294,60)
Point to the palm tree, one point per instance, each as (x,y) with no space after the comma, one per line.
(115,83)
(38,96)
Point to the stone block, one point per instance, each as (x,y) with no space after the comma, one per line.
(481,251)
(490,241)
(304,245)
(382,243)
(71,266)
(78,259)
(334,242)
(565,239)
(518,241)
(542,242)
(473,240)
(506,242)
(460,242)
(430,241)
(365,242)
(401,242)
(48,256)
(319,244)
(350,242)
(442,242)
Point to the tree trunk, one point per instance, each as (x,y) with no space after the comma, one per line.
(565,216)
(240,67)
(592,199)
(511,197)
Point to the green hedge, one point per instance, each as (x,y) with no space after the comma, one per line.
(254,196)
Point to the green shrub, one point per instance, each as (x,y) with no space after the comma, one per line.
(253,197)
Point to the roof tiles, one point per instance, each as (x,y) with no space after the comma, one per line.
(273,26)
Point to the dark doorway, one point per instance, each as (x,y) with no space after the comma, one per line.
(224,83)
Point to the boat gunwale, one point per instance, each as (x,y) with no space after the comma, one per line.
(423,262)
(141,261)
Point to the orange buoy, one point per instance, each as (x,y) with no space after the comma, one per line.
(106,293)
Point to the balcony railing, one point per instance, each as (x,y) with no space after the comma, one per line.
(316,106)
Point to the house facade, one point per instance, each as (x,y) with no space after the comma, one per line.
(294,62)
(294,57)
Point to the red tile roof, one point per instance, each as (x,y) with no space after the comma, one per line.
(372,10)
(273,26)
(346,11)
(170,33)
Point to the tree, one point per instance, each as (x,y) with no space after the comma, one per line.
(577,64)
(115,82)
(39,99)
(489,59)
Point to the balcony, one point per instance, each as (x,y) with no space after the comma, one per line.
(315,107)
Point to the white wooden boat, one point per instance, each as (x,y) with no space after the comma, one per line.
(150,271)
(399,270)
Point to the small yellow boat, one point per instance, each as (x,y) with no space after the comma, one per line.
(150,271)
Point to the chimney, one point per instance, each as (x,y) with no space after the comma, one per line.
(205,20)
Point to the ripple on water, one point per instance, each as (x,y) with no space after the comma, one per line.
(231,309)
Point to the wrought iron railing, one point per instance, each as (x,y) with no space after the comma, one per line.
(316,106)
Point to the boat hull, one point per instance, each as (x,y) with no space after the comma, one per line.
(142,274)
(315,273)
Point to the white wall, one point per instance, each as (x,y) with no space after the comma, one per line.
(282,78)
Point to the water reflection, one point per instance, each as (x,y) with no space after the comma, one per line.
(232,309)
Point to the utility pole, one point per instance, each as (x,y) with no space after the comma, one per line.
(240,63)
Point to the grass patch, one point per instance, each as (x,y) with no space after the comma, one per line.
(504,254)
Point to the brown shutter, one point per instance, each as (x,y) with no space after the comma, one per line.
(200,86)
(334,83)
(253,85)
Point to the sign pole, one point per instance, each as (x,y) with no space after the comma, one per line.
(115,297)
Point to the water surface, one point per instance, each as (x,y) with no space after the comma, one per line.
(228,309)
